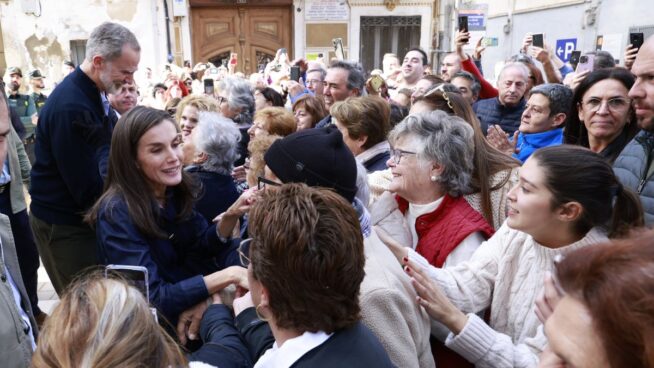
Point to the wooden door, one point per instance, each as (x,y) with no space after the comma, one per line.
(253,32)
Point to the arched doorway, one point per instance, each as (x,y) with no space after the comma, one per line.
(254,31)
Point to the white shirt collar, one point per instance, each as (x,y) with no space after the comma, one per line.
(292,350)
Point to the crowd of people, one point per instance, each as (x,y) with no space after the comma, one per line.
(401,218)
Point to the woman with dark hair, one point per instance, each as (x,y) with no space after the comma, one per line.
(309,110)
(267,97)
(567,198)
(305,262)
(145,216)
(494,173)
(606,315)
(601,117)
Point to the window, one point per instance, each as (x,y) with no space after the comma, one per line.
(77,51)
(381,35)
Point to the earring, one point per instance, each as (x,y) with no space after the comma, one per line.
(256,310)
(433,178)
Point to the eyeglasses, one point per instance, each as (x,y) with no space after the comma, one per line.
(244,252)
(262,182)
(614,104)
(396,155)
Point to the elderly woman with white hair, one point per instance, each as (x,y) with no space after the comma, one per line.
(209,154)
(236,99)
(431,163)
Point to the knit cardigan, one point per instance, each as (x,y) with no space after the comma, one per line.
(506,274)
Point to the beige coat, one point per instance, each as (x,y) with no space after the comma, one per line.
(389,309)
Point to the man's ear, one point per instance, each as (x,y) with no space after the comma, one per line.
(570,212)
(558,120)
(97,61)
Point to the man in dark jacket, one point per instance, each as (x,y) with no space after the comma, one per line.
(635,165)
(506,109)
(344,79)
(72,147)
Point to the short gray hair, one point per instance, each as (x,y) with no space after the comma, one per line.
(560,97)
(240,97)
(355,78)
(445,140)
(108,39)
(322,71)
(218,137)
(515,65)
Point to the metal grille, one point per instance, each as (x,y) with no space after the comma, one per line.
(381,35)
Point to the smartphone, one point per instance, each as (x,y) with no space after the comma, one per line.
(338,48)
(586,62)
(537,40)
(636,39)
(463,23)
(490,41)
(295,73)
(136,276)
(208,86)
(233,58)
(376,82)
(283,51)
(574,58)
(599,41)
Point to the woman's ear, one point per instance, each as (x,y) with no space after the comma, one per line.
(570,212)
(436,169)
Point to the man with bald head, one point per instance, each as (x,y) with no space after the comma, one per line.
(506,109)
(451,65)
(635,165)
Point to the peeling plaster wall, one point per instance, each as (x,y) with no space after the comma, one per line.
(44,42)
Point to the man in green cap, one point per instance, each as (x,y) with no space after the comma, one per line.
(37,85)
(25,107)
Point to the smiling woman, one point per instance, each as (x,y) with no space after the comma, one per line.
(146,216)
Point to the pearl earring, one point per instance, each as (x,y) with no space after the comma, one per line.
(433,178)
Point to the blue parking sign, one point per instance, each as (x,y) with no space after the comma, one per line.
(564,48)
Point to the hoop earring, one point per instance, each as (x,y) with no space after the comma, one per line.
(259,315)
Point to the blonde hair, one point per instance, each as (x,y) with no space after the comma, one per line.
(202,103)
(277,120)
(257,148)
(104,323)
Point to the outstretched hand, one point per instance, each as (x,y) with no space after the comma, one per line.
(432,298)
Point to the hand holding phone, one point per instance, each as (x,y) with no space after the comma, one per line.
(586,63)
(537,40)
(208,86)
(636,40)
(463,25)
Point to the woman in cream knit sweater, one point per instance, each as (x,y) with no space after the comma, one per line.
(566,198)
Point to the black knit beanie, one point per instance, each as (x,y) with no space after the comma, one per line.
(317,157)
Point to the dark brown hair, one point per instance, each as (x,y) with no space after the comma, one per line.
(315,106)
(576,174)
(488,161)
(369,116)
(307,251)
(615,282)
(126,181)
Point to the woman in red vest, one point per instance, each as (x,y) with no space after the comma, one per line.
(431,163)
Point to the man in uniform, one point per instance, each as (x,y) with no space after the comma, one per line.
(37,85)
(25,107)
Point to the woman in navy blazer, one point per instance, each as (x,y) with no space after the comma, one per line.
(145,217)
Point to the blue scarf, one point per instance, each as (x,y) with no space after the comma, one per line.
(528,143)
